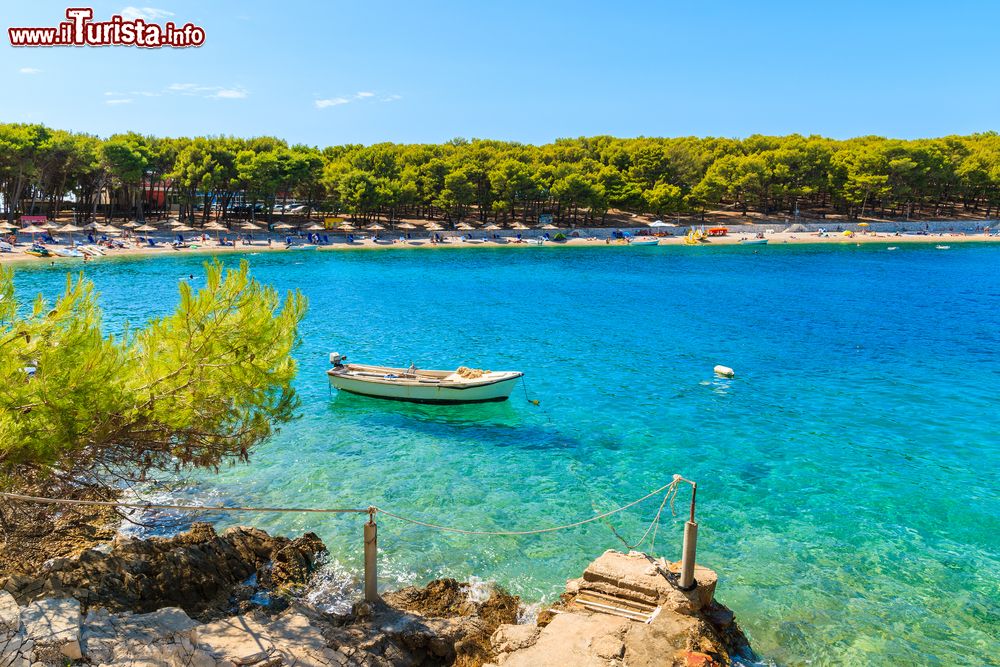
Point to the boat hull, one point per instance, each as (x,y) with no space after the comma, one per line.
(489,392)
(645,242)
(754,242)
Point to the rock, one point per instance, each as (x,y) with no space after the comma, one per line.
(10,614)
(719,616)
(292,564)
(197,570)
(509,637)
(687,629)
(54,624)
(238,639)
(608,647)
(571,639)
(11,648)
(167,623)
(636,577)
(698,659)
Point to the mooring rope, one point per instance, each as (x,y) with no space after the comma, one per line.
(670,491)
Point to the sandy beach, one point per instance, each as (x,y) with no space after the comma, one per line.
(777,238)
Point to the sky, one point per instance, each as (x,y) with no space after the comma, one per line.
(334,72)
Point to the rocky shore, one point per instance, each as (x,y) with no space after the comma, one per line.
(203,599)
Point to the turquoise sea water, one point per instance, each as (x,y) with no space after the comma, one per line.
(848,475)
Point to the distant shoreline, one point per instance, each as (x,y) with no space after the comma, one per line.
(777,238)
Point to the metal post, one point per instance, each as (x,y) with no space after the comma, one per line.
(687,581)
(371,552)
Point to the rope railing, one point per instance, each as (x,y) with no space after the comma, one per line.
(669,490)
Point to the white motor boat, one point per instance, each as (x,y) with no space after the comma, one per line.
(416,385)
(642,242)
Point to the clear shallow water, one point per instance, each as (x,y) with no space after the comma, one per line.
(848,475)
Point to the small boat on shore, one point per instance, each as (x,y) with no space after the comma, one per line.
(67,252)
(416,385)
(754,242)
(645,242)
(37,250)
(301,246)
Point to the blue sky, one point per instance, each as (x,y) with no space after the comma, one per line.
(343,72)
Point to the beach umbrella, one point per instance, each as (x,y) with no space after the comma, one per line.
(406,225)
(145,228)
(131,224)
(250,227)
(518,225)
(492,227)
(284,225)
(7,226)
(314,227)
(214,227)
(69,229)
(375,227)
(464,226)
(108,229)
(434,227)
(32,229)
(183,228)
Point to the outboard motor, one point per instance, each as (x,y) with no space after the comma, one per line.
(337,359)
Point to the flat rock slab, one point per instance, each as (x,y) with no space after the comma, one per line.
(13,648)
(239,639)
(168,622)
(573,639)
(10,613)
(636,577)
(54,622)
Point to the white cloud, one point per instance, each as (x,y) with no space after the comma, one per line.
(230,94)
(333,102)
(144,13)
(199,90)
(356,97)
(30,70)
(182,89)
(392,98)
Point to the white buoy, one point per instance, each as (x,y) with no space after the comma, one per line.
(725,371)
